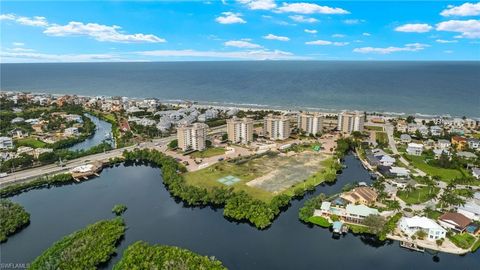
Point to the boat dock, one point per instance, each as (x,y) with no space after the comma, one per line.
(85,171)
(411,246)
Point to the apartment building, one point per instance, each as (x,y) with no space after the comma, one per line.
(276,127)
(310,123)
(349,122)
(192,137)
(240,130)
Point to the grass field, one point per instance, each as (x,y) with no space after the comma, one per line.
(381,137)
(31,142)
(320,221)
(442,173)
(267,167)
(418,195)
(209,152)
(462,240)
(374,128)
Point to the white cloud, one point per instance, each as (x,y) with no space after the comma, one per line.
(230,18)
(467,29)
(274,37)
(303,19)
(353,21)
(412,47)
(446,41)
(100,32)
(250,55)
(259,4)
(30,21)
(448,51)
(310,31)
(310,8)
(242,44)
(414,28)
(466,9)
(338,35)
(20,49)
(366,34)
(326,42)
(18,44)
(10,57)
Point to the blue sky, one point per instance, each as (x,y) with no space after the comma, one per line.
(87,31)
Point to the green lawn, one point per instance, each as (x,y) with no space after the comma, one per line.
(374,128)
(433,214)
(418,195)
(442,173)
(381,137)
(468,193)
(462,240)
(31,142)
(209,152)
(476,245)
(320,221)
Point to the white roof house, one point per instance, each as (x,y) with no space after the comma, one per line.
(443,144)
(387,160)
(414,224)
(405,138)
(6,142)
(71,131)
(17,120)
(415,149)
(399,171)
(470,210)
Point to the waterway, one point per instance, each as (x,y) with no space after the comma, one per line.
(154,216)
(102,128)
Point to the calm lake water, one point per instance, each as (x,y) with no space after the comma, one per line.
(102,128)
(154,216)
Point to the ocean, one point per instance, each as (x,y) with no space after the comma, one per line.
(430,88)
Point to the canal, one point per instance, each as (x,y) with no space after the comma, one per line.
(102,129)
(154,216)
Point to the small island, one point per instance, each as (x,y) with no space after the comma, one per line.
(119,209)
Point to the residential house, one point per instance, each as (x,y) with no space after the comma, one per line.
(6,143)
(351,213)
(443,144)
(455,221)
(415,149)
(439,152)
(38,151)
(436,130)
(411,225)
(18,133)
(25,150)
(466,155)
(473,143)
(405,138)
(362,195)
(459,142)
(423,130)
(71,131)
(399,171)
(386,160)
(17,120)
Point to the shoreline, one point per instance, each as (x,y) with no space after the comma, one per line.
(259,107)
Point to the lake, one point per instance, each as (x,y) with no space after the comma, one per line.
(154,216)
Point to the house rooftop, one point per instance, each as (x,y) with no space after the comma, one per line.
(457,218)
(421,222)
(361,210)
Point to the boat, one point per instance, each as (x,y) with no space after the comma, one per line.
(85,171)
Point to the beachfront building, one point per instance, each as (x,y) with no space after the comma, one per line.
(240,130)
(192,137)
(349,122)
(276,127)
(415,149)
(351,213)
(310,123)
(6,143)
(411,225)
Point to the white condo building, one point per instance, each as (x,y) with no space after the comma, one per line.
(349,122)
(192,137)
(310,123)
(276,127)
(240,130)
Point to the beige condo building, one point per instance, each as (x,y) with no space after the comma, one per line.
(192,137)
(240,130)
(310,123)
(349,122)
(276,127)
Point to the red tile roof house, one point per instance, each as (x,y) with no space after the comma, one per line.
(454,221)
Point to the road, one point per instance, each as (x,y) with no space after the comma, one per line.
(34,173)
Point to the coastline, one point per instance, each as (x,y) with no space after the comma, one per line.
(261,107)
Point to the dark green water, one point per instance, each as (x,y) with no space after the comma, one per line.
(156,217)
